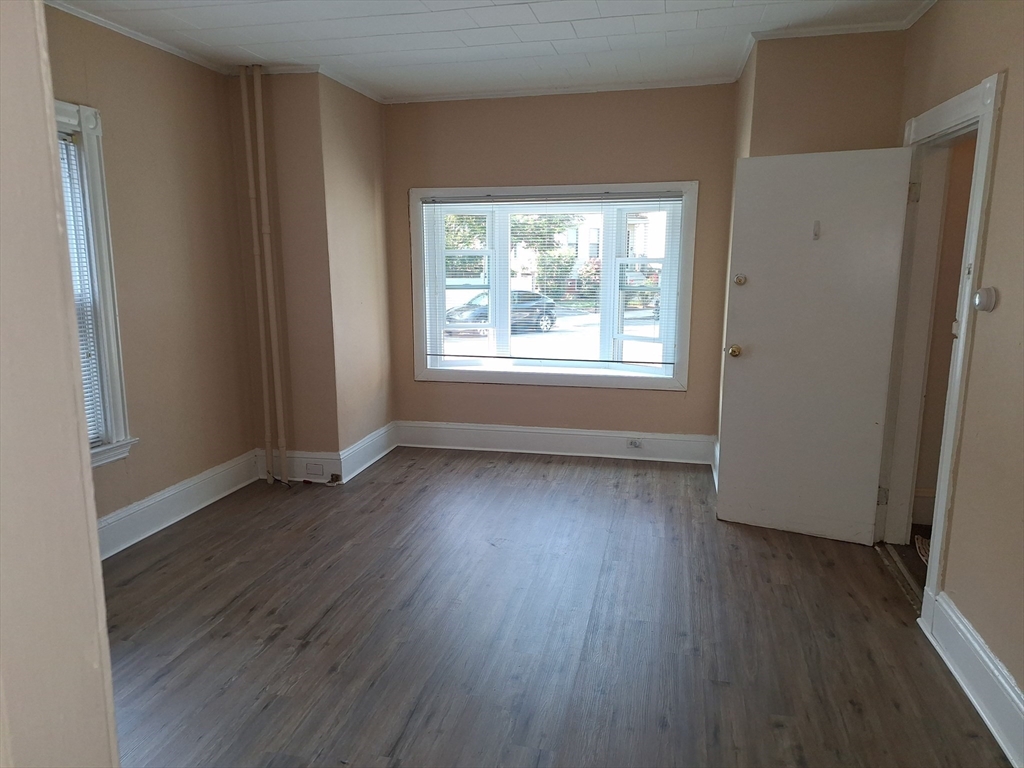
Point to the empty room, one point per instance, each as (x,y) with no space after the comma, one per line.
(511,383)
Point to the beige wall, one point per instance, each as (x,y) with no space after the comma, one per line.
(745,104)
(952,48)
(951,251)
(55,689)
(174,231)
(827,94)
(352,135)
(299,226)
(679,134)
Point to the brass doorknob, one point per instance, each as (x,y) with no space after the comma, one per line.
(735,350)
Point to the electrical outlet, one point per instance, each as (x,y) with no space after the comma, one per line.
(636,442)
(314,469)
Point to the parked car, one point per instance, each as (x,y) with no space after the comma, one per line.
(530,312)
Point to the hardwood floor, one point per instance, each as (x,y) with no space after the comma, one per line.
(476,609)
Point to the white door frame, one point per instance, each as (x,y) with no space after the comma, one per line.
(974,110)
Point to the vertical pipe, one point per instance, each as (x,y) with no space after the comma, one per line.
(264,374)
(268,264)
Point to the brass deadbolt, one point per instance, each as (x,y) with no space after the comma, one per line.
(735,350)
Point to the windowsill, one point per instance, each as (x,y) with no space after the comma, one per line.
(564,377)
(104,454)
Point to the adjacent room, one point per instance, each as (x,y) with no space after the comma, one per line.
(511,383)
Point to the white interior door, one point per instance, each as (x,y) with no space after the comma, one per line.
(819,240)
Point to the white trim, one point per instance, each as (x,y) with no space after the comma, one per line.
(61,5)
(311,466)
(714,461)
(370,449)
(978,671)
(144,518)
(104,454)
(686,449)
(978,107)
(988,684)
(569,376)
(85,122)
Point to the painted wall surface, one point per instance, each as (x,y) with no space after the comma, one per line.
(55,689)
(352,136)
(827,94)
(952,48)
(174,231)
(951,252)
(745,104)
(299,227)
(678,134)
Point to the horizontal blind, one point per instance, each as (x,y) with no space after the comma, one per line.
(83,283)
(577,281)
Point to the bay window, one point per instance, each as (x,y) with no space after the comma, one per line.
(575,286)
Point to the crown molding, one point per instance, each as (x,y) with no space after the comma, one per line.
(61,5)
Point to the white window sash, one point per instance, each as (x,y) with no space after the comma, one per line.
(428,276)
(84,123)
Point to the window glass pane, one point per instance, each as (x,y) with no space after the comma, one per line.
(465,232)
(554,284)
(83,286)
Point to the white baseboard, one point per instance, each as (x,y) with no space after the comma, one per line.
(988,684)
(688,449)
(144,518)
(315,466)
(374,446)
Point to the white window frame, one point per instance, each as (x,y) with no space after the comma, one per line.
(84,123)
(555,375)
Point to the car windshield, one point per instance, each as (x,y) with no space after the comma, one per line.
(480,300)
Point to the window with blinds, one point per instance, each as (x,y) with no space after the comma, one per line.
(545,286)
(83,283)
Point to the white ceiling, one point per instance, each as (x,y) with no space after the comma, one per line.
(424,50)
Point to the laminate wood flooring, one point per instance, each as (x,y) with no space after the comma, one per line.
(481,609)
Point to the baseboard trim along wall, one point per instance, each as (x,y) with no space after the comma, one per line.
(687,449)
(135,522)
(988,684)
(144,518)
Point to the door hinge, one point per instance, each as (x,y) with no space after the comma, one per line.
(883,496)
(914,192)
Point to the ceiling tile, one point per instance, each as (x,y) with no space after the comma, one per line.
(647,40)
(619,25)
(559,30)
(415,42)
(402,24)
(582,46)
(630,7)
(779,15)
(454,5)
(566,10)
(500,15)
(666,22)
(680,6)
(722,17)
(488,36)
(422,49)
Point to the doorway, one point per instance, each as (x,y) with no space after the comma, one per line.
(950,169)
